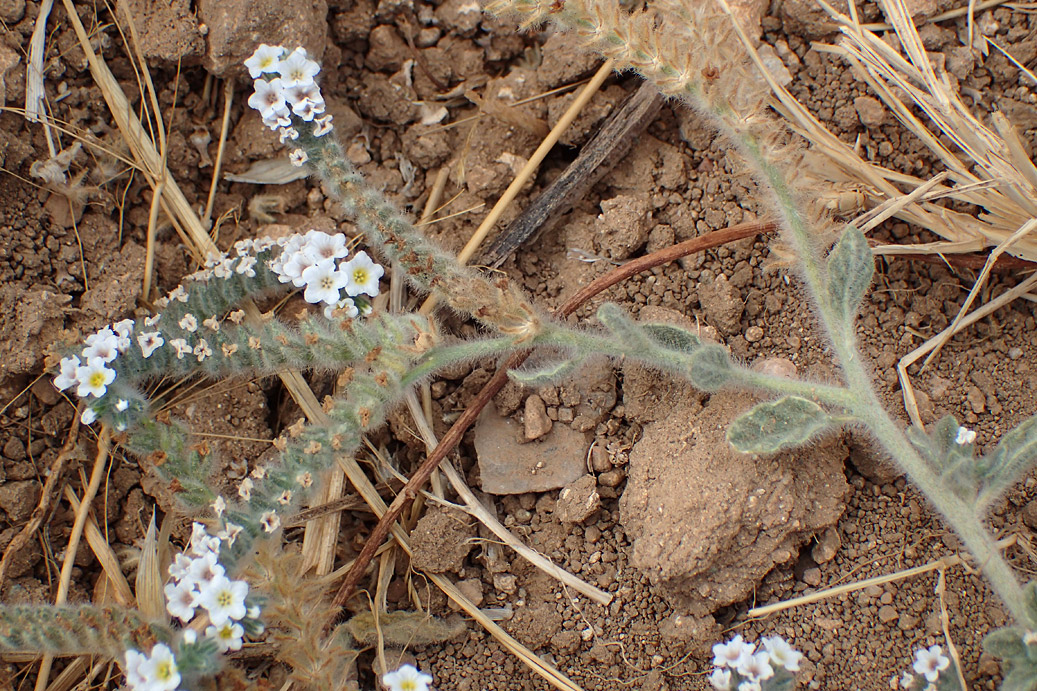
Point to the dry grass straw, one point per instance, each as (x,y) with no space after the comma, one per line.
(937,565)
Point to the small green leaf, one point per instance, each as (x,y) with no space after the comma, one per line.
(1023,677)
(850,267)
(547,374)
(1014,455)
(776,425)
(673,337)
(1006,643)
(711,368)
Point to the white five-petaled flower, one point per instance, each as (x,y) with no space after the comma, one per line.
(180,567)
(720,679)
(189,323)
(67,376)
(297,69)
(94,378)
(181,347)
(343,308)
(363,275)
(407,678)
(325,246)
(230,533)
(265,59)
(227,637)
(730,654)
(268,98)
(202,350)
(931,662)
(202,543)
(965,436)
(219,506)
(781,653)
(270,521)
(123,329)
(288,134)
(322,125)
(756,667)
(324,282)
(104,344)
(160,670)
(245,489)
(149,342)
(181,600)
(179,293)
(133,667)
(298,158)
(224,600)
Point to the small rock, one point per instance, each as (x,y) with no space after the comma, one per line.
(578,501)
(387,50)
(977,401)
(908,622)
(600,462)
(472,589)
(505,583)
(988,665)
(812,577)
(235,27)
(1028,514)
(776,366)
(888,614)
(14,449)
(509,465)
(612,478)
(753,334)
(565,61)
(18,499)
(536,421)
(722,303)
(12,11)
(623,225)
(870,111)
(828,544)
(441,540)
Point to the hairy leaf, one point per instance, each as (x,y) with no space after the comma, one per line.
(711,368)
(673,337)
(546,374)
(775,425)
(850,267)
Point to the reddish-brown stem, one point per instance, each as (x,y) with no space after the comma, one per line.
(453,436)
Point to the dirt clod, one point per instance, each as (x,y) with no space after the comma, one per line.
(441,540)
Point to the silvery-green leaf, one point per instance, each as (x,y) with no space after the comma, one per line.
(850,268)
(546,374)
(775,425)
(711,367)
(673,337)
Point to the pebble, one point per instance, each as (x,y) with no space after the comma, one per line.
(578,501)
(812,577)
(1028,514)
(888,614)
(753,334)
(536,421)
(612,478)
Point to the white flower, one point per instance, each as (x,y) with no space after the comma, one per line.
(181,346)
(122,404)
(181,566)
(94,378)
(407,678)
(189,323)
(152,320)
(268,98)
(227,637)
(322,125)
(325,246)
(181,600)
(178,293)
(730,654)
(149,342)
(104,344)
(303,93)
(212,323)
(298,158)
(224,599)
(123,330)
(279,118)
(67,376)
(782,654)
(756,667)
(160,671)
(205,569)
(965,436)
(201,542)
(363,275)
(288,134)
(225,269)
(308,110)
(297,69)
(88,417)
(243,247)
(230,533)
(246,266)
(298,262)
(906,680)
(343,308)
(265,59)
(189,636)
(324,282)
(750,685)
(720,679)
(245,489)
(305,478)
(285,498)
(219,506)
(931,662)
(270,521)
(202,350)
(133,667)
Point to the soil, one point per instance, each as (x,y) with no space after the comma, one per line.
(683,533)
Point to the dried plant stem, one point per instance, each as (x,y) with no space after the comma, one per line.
(453,436)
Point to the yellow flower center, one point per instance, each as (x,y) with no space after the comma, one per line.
(224,599)
(97,380)
(408,685)
(360,276)
(164,670)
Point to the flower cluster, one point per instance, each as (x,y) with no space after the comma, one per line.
(89,371)
(740,667)
(929,663)
(965,436)
(286,94)
(198,581)
(407,678)
(313,261)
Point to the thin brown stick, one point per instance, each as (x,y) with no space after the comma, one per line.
(453,436)
(51,489)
